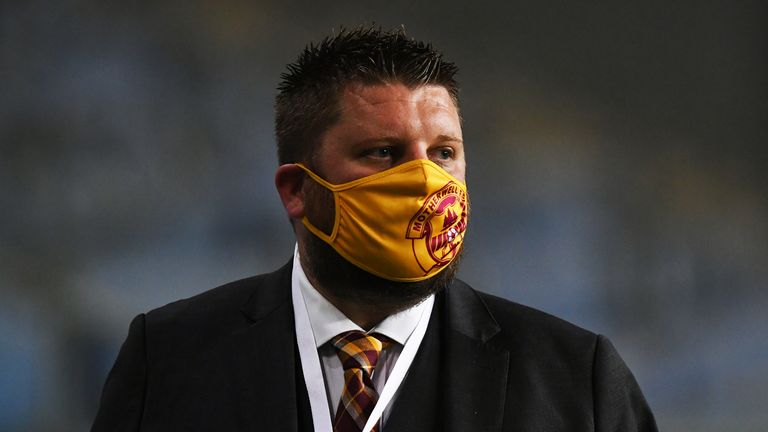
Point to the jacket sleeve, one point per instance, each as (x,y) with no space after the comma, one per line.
(619,403)
(122,400)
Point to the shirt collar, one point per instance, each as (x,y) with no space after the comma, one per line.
(327,321)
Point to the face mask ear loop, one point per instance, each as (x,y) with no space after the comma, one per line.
(336,215)
(316,231)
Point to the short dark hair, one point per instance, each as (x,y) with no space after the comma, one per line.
(308,95)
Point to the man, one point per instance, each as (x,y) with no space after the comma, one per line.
(366,328)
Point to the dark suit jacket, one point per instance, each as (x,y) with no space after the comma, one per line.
(227,360)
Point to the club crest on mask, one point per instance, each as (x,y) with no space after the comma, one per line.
(436,231)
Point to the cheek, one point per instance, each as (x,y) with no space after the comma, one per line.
(459,170)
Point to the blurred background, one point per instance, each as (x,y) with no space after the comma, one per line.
(617,168)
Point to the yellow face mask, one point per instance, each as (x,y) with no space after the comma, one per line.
(405,224)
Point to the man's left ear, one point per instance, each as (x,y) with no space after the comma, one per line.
(288,180)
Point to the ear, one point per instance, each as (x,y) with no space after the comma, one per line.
(288,180)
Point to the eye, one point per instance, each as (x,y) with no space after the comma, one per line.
(380,152)
(445,153)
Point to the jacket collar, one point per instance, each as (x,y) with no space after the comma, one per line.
(265,356)
(467,313)
(273,292)
(476,368)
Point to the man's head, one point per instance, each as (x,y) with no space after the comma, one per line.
(311,89)
(357,104)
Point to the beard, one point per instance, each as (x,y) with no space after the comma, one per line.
(344,280)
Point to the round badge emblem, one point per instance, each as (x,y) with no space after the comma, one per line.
(437,229)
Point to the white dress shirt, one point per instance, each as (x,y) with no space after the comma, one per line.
(326,322)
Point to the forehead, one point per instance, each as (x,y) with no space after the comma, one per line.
(355,96)
(395,110)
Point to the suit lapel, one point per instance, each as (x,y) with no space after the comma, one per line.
(475,370)
(264,353)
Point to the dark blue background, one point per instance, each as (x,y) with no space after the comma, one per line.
(617,172)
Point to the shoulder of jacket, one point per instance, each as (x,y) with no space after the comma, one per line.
(218,303)
(518,321)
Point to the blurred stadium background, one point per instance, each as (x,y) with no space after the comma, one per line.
(617,169)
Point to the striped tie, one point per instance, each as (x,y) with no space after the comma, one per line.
(358,353)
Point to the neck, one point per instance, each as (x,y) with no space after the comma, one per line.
(364,315)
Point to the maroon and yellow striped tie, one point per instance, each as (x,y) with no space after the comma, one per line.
(359,354)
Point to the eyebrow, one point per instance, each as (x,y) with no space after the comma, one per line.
(397,140)
(449,138)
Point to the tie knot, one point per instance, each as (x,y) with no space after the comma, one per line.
(357,350)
